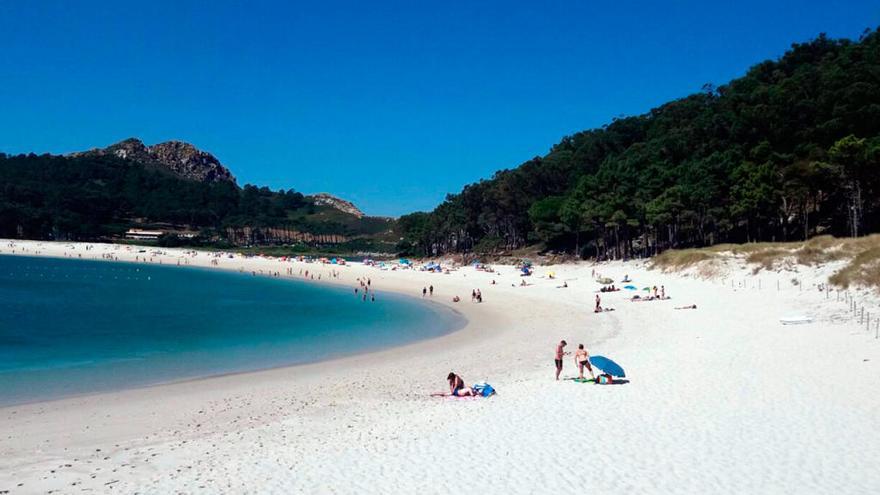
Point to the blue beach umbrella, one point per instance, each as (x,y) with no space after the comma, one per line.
(630,287)
(607,365)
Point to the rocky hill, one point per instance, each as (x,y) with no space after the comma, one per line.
(183,159)
(338,203)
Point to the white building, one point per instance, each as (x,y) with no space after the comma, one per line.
(143,235)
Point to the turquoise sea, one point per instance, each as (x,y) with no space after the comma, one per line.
(70,327)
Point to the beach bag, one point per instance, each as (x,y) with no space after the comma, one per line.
(484,389)
(605,379)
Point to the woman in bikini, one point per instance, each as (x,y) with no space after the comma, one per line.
(457,388)
(582,359)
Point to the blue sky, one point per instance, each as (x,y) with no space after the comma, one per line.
(390,104)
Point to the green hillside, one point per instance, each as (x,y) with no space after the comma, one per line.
(788,151)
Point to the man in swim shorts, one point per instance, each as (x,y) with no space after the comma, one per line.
(560,351)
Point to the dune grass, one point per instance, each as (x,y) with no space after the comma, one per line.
(863,253)
(863,270)
(677,259)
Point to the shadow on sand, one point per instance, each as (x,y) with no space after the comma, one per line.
(620,381)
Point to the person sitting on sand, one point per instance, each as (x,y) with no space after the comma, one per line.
(457,388)
(582,359)
(692,306)
(456,299)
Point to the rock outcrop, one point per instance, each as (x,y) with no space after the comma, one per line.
(340,204)
(183,159)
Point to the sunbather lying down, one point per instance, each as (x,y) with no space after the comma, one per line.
(602,310)
(692,306)
(638,298)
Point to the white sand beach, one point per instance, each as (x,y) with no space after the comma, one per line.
(719,399)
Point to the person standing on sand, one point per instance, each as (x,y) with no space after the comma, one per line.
(431,291)
(582,360)
(560,351)
(598,304)
(424,291)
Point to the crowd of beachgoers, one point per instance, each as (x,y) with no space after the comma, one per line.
(311,268)
(698,386)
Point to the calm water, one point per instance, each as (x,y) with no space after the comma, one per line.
(71,327)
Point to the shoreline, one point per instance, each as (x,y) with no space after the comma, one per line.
(459,323)
(703,383)
(334,282)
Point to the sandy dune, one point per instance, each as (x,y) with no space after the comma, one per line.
(721,399)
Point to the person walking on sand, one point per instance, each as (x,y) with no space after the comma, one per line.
(560,351)
(431,291)
(598,304)
(582,360)
(424,291)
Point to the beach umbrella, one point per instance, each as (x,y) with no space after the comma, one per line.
(630,287)
(647,289)
(607,365)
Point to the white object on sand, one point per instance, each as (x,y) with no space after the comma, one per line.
(795,320)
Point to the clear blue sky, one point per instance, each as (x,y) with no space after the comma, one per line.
(388,104)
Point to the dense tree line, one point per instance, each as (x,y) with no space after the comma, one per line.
(789,150)
(94,197)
